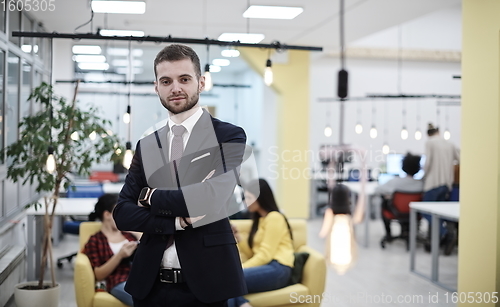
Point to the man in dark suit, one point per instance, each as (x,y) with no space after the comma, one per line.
(176,192)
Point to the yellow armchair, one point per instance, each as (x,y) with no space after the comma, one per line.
(84,278)
(309,291)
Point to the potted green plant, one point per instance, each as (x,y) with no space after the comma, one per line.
(58,140)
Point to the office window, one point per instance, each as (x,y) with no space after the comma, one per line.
(2,208)
(2,20)
(14,25)
(12,103)
(11,200)
(2,115)
(46,52)
(25,109)
(27,41)
(38,42)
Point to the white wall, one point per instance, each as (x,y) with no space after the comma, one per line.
(373,76)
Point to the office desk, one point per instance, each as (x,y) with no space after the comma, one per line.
(447,210)
(65,206)
(355,187)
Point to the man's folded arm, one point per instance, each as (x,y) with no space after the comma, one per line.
(211,195)
(128,215)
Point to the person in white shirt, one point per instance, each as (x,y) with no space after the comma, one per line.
(411,166)
(441,157)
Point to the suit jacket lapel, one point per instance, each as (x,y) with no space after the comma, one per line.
(202,137)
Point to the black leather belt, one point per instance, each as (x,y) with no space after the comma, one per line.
(171,276)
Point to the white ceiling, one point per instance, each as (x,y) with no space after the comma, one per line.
(318,25)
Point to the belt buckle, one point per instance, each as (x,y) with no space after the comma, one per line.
(175,276)
(169,281)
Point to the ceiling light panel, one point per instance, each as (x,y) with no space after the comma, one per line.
(119,7)
(221,62)
(215,68)
(246,38)
(125,71)
(230,53)
(124,63)
(124,52)
(93,66)
(89,58)
(85,49)
(272,12)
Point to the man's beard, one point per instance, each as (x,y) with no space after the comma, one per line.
(190,103)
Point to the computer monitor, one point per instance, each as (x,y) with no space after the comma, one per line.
(394,165)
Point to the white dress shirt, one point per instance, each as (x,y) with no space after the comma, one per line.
(170,257)
(440,156)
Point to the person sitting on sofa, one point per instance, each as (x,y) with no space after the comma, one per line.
(269,245)
(110,250)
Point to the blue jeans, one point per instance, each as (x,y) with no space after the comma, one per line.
(119,292)
(436,194)
(262,278)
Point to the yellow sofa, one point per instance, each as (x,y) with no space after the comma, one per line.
(311,287)
(84,278)
(310,290)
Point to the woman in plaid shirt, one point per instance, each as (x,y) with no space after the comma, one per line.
(110,250)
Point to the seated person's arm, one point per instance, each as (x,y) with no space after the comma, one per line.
(274,231)
(101,271)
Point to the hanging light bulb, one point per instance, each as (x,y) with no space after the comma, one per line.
(92,135)
(358,128)
(127,158)
(51,162)
(268,73)
(208,78)
(373,132)
(386,149)
(118,151)
(341,251)
(328,131)
(404,133)
(447,134)
(126,116)
(75,136)
(418,135)
(341,238)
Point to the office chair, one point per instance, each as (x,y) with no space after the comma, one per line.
(72,226)
(398,208)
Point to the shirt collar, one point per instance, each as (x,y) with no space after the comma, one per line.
(189,122)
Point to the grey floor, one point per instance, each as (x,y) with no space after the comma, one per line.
(378,278)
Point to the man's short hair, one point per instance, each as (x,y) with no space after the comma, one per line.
(431,130)
(411,164)
(177,52)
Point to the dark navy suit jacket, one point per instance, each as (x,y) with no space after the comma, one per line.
(207,251)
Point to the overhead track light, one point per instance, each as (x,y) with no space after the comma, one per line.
(164,39)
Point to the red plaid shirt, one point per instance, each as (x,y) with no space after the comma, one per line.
(99,251)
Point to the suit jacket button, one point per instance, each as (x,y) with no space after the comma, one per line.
(169,212)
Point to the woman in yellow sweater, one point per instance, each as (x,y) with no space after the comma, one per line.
(269,245)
